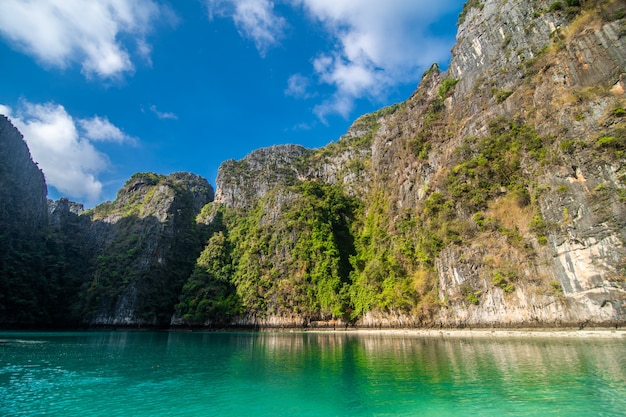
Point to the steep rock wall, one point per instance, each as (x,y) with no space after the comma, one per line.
(568,85)
(265,168)
(494,196)
(23,223)
(23,185)
(147,240)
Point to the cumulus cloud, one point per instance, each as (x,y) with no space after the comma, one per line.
(379,45)
(255,19)
(59,33)
(63,146)
(375,45)
(99,129)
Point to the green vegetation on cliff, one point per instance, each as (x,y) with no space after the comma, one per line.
(27,291)
(496,192)
(441,208)
(150,241)
(208,296)
(297,263)
(309,250)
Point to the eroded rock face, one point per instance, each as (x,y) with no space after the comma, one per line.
(494,196)
(147,241)
(551,66)
(240,183)
(121,263)
(23,188)
(23,226)
(557,255)
(498,38)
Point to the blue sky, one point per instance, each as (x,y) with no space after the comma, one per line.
(102,89)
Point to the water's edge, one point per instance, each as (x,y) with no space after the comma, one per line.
(306,373)
(534,332)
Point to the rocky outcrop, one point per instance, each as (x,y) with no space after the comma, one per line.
(495,195)
(563,74)
(23,186)
(23,224)
(148,241)
(122,263)
(240,183)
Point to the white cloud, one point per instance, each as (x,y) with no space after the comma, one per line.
(298,86)
(61,32)
(379,45)
(163,115)
(63,148)
(255,19)
(376,44)
(100,129)
(5,110)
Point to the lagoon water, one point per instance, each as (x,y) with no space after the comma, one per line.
(307,374)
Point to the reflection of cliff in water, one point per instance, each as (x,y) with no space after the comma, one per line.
(310,374)
(430,366)
(475,358)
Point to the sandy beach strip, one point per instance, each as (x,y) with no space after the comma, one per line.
(486,333)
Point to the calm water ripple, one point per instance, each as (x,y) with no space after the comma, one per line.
(307,374)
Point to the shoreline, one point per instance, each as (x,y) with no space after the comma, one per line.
(501,332)
(474,333)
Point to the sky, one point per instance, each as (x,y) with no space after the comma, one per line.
(102,89)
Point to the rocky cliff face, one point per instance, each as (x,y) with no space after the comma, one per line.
(494,196)
(23,223)
(561,72)
(23,184)
(265,168)
(121,263)
(147,242)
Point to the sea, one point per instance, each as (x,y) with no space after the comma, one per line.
(142,373)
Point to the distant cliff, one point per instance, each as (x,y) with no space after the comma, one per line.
(23,225)
(494,196)
(147,243)
(121,263)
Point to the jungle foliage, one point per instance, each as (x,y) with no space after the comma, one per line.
(311,250)
(297,264)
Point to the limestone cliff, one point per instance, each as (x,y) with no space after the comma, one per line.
(494,196)
(147,242)
(121,263)
(559,69)
(23,222)
(265,168)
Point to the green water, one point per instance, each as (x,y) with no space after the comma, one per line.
(307,374)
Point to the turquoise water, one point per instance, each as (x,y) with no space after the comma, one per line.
(307,374)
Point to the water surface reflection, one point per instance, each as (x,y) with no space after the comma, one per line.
(307,374)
